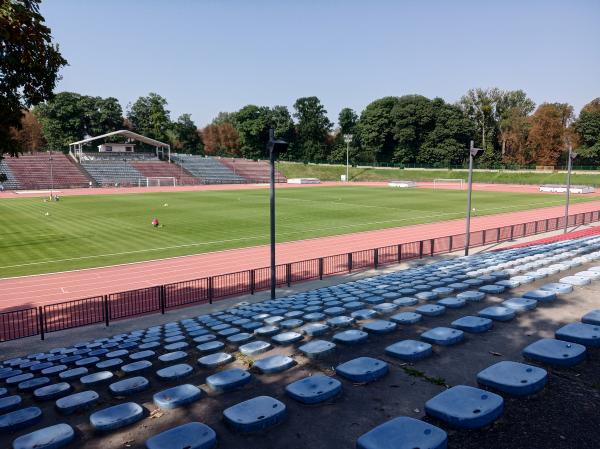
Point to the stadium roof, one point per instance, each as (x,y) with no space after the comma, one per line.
(126,133)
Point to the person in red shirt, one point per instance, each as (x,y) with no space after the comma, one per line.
(155,222)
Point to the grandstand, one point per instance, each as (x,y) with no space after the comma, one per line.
(32,172)
(253,171)
(10,183)
(208,170)
(350,346)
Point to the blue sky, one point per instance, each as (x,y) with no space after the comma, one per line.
(219,55)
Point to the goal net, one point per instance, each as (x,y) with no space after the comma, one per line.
(446,183)
(158,181)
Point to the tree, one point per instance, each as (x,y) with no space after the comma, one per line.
(69,117)
(252,123)
(347,119)
(375,130)
(221,140)
(283,125)
(184,135)
(512,110)
(480,106)
(29,65)
(587,127)
(548,132)
(312,129)
(149,116)
(30,137)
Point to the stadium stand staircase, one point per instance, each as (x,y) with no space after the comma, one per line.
(160,169)
(348,314)
(208,170)
(253,171)
(32,172)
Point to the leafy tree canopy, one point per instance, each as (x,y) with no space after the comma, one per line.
(149,116)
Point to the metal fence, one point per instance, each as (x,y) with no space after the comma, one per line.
(104,309)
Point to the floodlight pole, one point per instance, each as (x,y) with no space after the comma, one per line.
(570,158)
(347,139)
(274,147)
(472,152)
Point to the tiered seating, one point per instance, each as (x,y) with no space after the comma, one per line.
(113,172)
(208,170)
(32,171)
(253,171)
(10,183)
(160,358)
(153,169)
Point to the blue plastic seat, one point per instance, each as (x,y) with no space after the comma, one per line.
(452,302)
(314,316)
(403,433)
(256,414)
(350,337)
(137,367)
(20,419)
(406,318)
(241,338)
(314,389)
(317,349)
(473,324)
(520,305)
(96,378)
(363,369)
(53,391)
(266,331)
(287,338)
(492,289)
(193,435)
(582,333)
(32,384)
(77,401)
(274,364)
(52,437)
(465,407)
(379,327)
(427,296)
(314,329)
(129,386)
(555,352)
(214,360)
(117,416)
(255,347)
(471,296)
(497,313)
(228,380)
(443,336)
(177,396)
(409,350)
(10,403)
(406,301)
(517,379)
(340,321)
(558,288)
(592,317)
(431,310)
(363,314)
(210,347)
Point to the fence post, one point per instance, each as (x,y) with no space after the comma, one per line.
(41,322)
(161,298)
(399,252)
(252,281)
(376,257)
(450,244)
(432,245)
(288,274)
(320,268)
(497,235)
(484,236)
(512,231)
(547,224)
(421,249)
(210,290)
(106,311)
(349,262)
(535,227)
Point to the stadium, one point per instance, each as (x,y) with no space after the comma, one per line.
(420,275)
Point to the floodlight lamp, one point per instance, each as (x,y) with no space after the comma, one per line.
(276,146)
(348,138)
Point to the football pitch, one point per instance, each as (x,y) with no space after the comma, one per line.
(38,236)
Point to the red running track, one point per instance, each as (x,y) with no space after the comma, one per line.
(51,288)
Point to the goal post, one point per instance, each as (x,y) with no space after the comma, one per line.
(441,182)
(158,181)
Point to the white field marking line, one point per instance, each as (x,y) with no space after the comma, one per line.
(187,245)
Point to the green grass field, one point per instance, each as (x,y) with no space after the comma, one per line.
(91,231)
(333,172)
